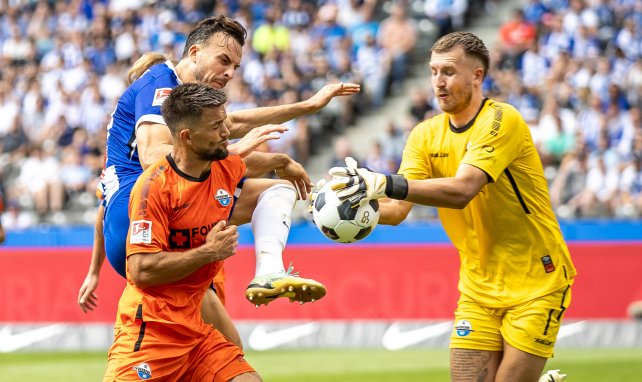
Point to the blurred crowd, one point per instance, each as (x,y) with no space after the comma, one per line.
(574,70)
(64,65)
(572,67)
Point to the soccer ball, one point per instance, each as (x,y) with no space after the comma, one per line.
(338,221)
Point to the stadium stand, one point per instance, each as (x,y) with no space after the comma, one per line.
(573,68)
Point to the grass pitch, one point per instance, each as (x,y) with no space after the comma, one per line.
(600,365)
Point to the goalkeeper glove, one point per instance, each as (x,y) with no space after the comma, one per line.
(359,185)
(553,376)
(315,193)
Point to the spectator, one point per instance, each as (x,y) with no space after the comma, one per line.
(516,36)
(75,176)
(372,64)
(420,105)
(398,36)
(272,35)
(570,180)
(448,15)
(376,160)
(39,179)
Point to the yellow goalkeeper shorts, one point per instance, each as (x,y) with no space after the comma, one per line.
(531,327)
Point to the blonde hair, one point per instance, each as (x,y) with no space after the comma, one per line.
(146,61)
(473,46)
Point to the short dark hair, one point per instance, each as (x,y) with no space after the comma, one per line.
(473,46)
(208,27)
(186,103)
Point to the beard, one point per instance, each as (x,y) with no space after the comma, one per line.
(199,76)
(459,100)
(213,155)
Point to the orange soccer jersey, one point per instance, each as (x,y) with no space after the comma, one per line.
(172,212)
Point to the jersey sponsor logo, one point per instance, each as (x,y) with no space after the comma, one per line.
(223,197)
(143,370)
(544,341)
(141,232)
(184,238)
(261,339)
(438,155)
(179,238)
(488,149)
(160,95)
(181,207)
(463,328)
(395,339)
(548,264)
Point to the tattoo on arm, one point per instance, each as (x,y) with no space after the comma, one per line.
(469,365)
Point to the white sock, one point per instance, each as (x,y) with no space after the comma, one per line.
(271,226)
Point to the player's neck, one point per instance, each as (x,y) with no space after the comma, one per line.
(191,166)
(462,118)
(183,71)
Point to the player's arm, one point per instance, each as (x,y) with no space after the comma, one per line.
(256,137)
(260,163)
(360,184)
(87,299)
(393,212)
(245,120)
(454,192)
(150,269)
(154,141)
(2,234)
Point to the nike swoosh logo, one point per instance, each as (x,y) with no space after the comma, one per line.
(261,339)
(395,339)
(12,342)
(571,329)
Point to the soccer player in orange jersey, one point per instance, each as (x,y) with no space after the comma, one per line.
(177,241)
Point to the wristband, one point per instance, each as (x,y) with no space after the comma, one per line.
(396,187)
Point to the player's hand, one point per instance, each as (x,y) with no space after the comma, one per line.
(221,241)
(296,174)
(358,185)
(315,193)
(87,299)
(255,138)
(321,98)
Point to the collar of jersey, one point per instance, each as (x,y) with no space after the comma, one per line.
(170,64)
(467,126)
(171,162)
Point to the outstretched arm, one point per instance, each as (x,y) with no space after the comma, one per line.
(245,120)
(260,163)
(358,185)
(256,137)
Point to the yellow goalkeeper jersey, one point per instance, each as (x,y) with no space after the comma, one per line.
(510,244)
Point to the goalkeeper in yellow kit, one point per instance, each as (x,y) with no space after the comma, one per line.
(476,161)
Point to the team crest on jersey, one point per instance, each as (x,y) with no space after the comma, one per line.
(160,95)
(223,197)
(548,264)
(141,232)
(143,370)
(463,328)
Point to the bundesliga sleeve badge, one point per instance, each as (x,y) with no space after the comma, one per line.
(140,232)
(160,95)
